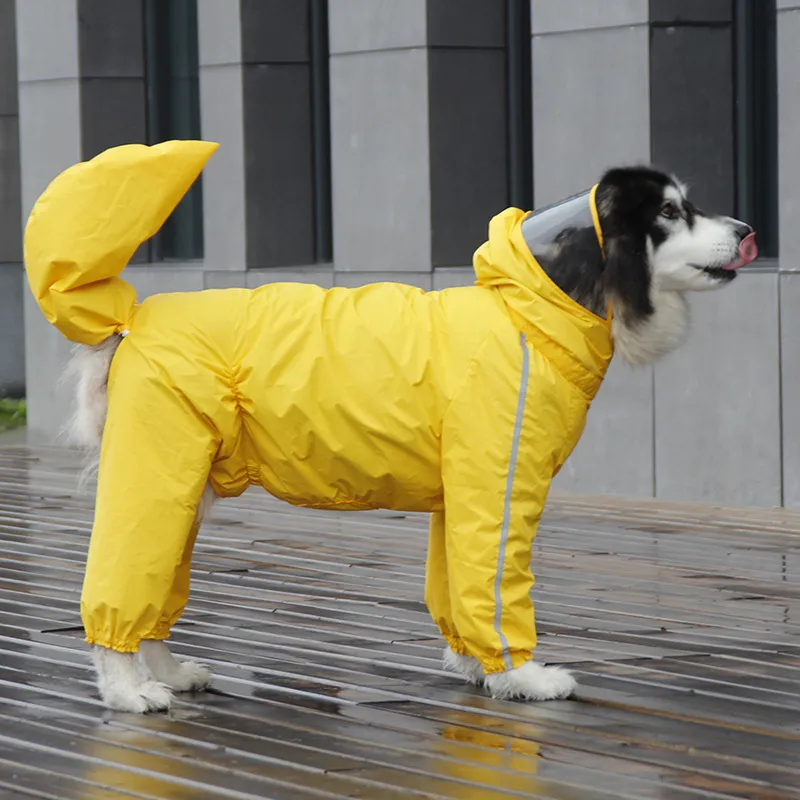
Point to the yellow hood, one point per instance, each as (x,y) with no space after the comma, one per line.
(576,341)
(89,221)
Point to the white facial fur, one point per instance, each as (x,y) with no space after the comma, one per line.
(663,331)
(676,268)
(710,242)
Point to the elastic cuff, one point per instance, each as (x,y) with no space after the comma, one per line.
(456,645)
(491,666)
(161,632)
(126,646)
(129,645)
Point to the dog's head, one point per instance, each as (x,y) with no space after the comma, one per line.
(656,240)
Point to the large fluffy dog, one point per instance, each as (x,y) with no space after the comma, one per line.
(464,403)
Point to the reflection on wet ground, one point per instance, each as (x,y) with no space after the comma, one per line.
(683,624)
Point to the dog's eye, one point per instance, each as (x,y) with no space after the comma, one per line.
(670,211)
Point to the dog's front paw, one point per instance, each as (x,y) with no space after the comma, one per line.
(531,681)
(140,699)
(466,667)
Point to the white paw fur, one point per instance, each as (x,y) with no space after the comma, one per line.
(122,687)
(467,667)
(531,681)
(180,676)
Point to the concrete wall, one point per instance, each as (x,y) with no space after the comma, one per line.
(704,424)
(603,119)
(12,340)
(50,139)
(420,163)
(789,276)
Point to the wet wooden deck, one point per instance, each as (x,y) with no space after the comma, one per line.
(683,625)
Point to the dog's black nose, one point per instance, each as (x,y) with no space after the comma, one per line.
(742,229)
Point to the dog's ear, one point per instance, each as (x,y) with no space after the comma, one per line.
(627,274)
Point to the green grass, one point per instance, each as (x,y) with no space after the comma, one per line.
(12,414)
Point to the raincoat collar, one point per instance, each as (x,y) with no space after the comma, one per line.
(577,342)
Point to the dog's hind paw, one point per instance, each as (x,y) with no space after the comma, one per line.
(466,667)
(189,677)
(146,697)
(531,681)
(180,676)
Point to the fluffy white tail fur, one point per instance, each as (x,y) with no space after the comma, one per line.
(87,371)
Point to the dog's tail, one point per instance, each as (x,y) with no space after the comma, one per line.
(80,236)
(88,370)
(88,223)
(87,373)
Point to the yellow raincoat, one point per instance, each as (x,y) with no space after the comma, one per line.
(463,403)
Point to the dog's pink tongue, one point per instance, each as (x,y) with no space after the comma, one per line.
(748,251)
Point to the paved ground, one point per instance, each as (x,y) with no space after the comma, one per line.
(683,625)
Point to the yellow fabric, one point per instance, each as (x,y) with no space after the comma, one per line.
(598,228)
(463,403)
(89,221)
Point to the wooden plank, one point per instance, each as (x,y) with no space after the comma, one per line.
(683,623)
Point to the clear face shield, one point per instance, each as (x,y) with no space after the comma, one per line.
(545,229)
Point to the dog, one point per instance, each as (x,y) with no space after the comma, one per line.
(631,270)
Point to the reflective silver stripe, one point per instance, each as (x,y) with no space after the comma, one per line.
(512,466)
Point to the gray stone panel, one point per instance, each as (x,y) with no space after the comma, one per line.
(12,331)
(690,119)
(369,25)
(615,453)
(575,15)
(790,386)
(468,23)
(47,37)
(112,113)
(422,280)
(110,39)
(278,165)
(591,99)
(49,134)
(224,280)
(10,192)
(8,59)
(468,151)
(161,279)
(49,137)
(274,31)
(219,32)
(718,400)
(788,140)
(677,11)
(46,355)
(380,161)
(222,113)
(452,277)
(320,277)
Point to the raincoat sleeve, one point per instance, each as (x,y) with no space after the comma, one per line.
(156,454)
(502,439)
